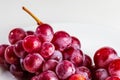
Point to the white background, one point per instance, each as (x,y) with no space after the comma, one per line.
(101,12)
(95,22)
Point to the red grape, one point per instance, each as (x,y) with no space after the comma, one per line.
(47,49)
(49,65)
(75,43)
(29,32)
(112,78)
(10,56)
(44,32)
(61,40)
(101,74)
(46,75)
(33,62)
(68,52)
(104,56)
(2,52)
(18,49)
(87,61)
(77,57)
(74,55)
(65,69)
(84,71)
(17,71)
(77,77)
(5,65)
(31,43)
(114,68)
(57,55)
(16,35)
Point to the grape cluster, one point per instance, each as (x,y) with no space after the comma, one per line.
(47,55)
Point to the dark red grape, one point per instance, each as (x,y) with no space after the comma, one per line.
(47,49)
(29,32)
(74,55)
(2,52)
(77,57)
(61,40)
(87,61)
(57,55)
(5,65)
(27,76)
(84,71)
(33,62)
(17,71)
(104,56)
(68,52)
(65,69)
(46,75)
(75,43)
(114,68)
(10,56)
(44,32)
(18,49)
(50,65)
(100,74)
(16,35)
(31,43)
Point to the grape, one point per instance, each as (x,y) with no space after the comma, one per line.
(61,40)
(68,52)
(65,69)
(46,75)
(49,65)
(27,76)
(10,56)
(44,32)
(57,55)
(101,74)
(18,49)
(104,56)
(33,62)
(47,49)
(114,68)
(5,65)
(75,42)
(77,57)
(74,55)
(77,77)
(16,35)
(29,32)
(16,71)
(84,71)
(87,61)
(31,44)
(112,78)
(2,52)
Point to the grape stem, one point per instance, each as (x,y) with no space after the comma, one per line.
(32,15)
